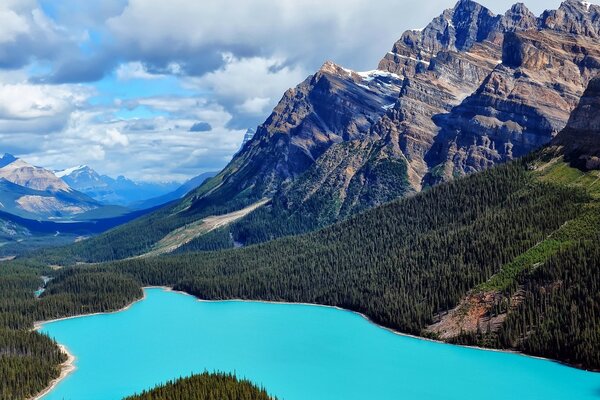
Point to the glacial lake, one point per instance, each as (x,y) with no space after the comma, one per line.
(297,352)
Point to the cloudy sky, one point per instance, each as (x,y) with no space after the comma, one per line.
(164,90)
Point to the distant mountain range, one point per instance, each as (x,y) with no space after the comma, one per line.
(176,194)
(120,191)
(79,193)
(34,192)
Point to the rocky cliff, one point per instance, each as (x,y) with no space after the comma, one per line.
(470,90)
(579,142)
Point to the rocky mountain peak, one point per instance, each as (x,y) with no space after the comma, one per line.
(519,17)
(575,17)
(6,159)
(471,23)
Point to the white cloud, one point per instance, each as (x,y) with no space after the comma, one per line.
(23,101)
(114,137)
(134,70)
(255,105)
(11,25)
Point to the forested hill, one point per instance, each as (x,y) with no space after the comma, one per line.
(205,386)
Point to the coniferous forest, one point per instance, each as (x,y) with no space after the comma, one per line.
(28,359)
(401,264)
(206,386)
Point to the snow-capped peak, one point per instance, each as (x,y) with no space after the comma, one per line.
(69,171)
(586,4)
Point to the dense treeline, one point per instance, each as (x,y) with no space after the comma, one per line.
(28,359)
(28,362)
(206,386)
(400,264)
(560,314)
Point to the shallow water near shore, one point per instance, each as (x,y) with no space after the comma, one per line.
(297,352)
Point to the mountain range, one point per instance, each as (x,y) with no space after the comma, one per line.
(34,192)
(469,91)
(120,191)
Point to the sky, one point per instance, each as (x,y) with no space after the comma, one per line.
(164,90)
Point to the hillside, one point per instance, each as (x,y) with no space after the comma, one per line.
(469,91)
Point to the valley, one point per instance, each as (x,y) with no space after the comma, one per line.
(436,219)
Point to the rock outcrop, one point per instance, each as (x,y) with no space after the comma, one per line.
(579,142)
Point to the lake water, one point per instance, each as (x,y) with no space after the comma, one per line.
(297,352)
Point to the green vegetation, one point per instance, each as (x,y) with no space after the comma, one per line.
(217,386)
(560,314)
(28,359)
(400,263)
(508,229)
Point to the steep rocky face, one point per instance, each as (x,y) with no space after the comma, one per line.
(520,106)
(518,18)
(576,17)
(470,90)
(579,142)
(456,29)
(332,106)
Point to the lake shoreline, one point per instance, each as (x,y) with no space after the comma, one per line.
(68,367)
(391,330)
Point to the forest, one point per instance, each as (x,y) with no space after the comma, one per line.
(508,229)
(405,262)
(205,386)
(28,359)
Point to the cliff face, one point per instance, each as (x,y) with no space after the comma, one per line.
(579,142)
(470,90)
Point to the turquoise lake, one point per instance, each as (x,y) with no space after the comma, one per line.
(297,352)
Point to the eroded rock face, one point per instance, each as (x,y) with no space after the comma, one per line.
(332,106)
(520,106)
(579,142)
(470,90)
(575,17)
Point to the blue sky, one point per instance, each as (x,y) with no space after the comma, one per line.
(118,84)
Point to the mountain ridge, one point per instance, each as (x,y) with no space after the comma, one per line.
(120,191)
(471,90)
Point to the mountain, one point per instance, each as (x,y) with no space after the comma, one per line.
(36,193)
(24,174)
(451,99)
(476,89)
(469,91)
(120,191)
(579,142)
(248,136)
(178,193)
